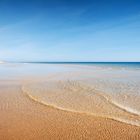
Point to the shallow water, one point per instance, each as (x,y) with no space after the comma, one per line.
(96,90)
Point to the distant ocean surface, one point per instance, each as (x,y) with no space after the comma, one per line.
(132,65)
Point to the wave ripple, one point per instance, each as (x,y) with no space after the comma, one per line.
(76,96)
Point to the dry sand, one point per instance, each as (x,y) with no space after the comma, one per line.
(23,119)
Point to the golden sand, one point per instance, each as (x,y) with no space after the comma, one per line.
(24,119)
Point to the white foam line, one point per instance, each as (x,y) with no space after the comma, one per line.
(127,109)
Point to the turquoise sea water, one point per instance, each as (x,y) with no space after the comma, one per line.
(33,68)
(135,65)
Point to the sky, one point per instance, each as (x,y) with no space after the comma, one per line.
(70,30)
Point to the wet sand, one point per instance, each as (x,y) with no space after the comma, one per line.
(22,118)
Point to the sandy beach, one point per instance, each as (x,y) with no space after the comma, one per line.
(25,118)
(69,69)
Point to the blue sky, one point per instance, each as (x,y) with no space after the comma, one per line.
(70,30)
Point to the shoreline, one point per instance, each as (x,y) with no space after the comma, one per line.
(29,120)
(35,99)
(23,118)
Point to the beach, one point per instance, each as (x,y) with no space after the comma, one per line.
(74,102)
